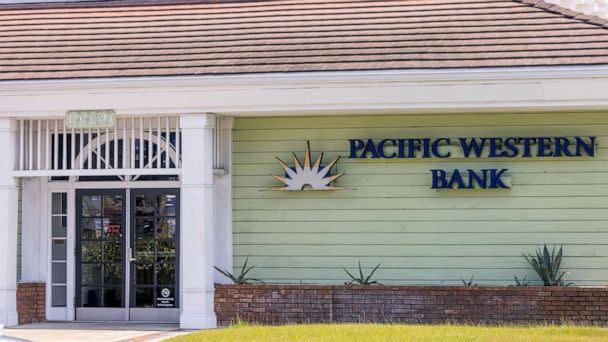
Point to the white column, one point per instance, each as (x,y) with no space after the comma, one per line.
(9,194)
(223,203)
(32,237)
(196,223)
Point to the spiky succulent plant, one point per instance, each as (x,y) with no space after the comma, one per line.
(241,278)
(362,279)
(521,282)
(469,282)
(547,265)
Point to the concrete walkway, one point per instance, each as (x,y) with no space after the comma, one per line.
(92,332)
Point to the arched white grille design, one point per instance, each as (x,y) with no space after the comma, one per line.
(136,145)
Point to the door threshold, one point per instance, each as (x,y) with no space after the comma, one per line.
(122,322)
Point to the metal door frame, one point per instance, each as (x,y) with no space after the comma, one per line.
(154,314)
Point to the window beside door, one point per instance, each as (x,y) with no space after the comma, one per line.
(59,249)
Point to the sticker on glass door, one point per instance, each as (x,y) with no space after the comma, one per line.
(154,232)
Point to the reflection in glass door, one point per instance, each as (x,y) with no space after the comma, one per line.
(153,239)
(127,255)
(100,270)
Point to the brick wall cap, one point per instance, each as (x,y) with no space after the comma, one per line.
(272,286)
(410,287)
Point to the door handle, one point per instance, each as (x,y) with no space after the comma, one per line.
(130,255)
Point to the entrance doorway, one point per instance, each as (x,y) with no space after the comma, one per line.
(127,255)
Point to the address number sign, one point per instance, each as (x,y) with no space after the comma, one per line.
(90,118)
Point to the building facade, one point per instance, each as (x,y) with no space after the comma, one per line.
(140,143)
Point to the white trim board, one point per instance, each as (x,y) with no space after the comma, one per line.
(319,93)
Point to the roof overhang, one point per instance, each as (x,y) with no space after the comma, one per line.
(326,93)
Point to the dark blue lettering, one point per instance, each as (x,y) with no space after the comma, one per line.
(472,145)
(495,179)
(355,145)
(561,147)
(413,145)
(481,181)
(381,148)
(589,148)
(527,142)
(401,148)
(370,148)
(509,144)
(495,146)
(544,147)
(426,150)
(456,179)
(439,179)
(435,148)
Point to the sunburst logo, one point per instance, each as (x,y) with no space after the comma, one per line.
(308,177)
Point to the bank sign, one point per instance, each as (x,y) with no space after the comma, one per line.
(472,148)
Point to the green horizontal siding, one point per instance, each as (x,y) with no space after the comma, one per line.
(388,214)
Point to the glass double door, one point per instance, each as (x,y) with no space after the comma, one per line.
(127,255)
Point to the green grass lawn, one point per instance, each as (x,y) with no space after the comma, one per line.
(387,332)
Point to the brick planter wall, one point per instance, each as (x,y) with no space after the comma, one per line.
(31,302)
(273,304)
(282,304)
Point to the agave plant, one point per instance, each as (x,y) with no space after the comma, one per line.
(469,282)
(242,277)
(362,280)
(547,265)
(521,282)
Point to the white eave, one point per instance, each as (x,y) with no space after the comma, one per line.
(322,93)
